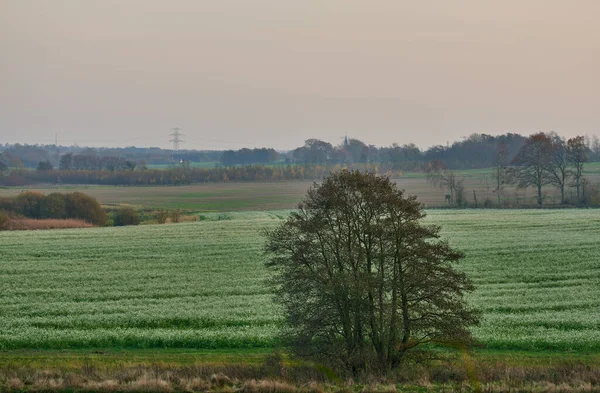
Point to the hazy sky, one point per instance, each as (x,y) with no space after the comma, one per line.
(273,73)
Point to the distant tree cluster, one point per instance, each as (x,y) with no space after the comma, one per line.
(249,157)
(549,159)
(544,159)
(36,205)
(91,162)
(353,151)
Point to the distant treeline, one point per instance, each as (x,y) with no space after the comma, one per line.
(476,151)
(178,175)
(249,157)
(29,156)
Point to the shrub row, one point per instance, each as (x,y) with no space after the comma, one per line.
(77,205)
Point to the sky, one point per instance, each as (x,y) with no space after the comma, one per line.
(240,73)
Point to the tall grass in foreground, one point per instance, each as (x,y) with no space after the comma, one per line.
(446,376)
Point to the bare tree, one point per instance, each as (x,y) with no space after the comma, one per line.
(577,155)
(500,170)
(595,147)
(440,176)
(361,279)
(557,166)
(532,164)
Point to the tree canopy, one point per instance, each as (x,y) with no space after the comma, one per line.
(361,279)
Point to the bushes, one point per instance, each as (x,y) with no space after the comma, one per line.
(175,216)
(84,207)
(53,206)
(4,220)
(32,204)
(126,216)
(162,216)
(28,204)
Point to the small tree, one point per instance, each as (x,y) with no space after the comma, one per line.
(4,220)
(3,167)
(595,148)
(175,216)
(126,216)
(577,155)
(44,166)
(362,281)
(66,162)
(442,177)
(162,216)
(500,170)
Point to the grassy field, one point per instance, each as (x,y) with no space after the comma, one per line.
(201,285)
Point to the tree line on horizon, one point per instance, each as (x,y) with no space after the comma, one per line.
(474,152)
(537,161)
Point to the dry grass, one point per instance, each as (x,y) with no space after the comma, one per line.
(30,224)
(448,377)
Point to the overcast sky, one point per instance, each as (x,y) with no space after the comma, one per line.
(251,73)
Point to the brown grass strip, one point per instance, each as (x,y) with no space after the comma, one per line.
(30,224)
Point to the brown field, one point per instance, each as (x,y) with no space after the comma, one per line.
(30,224)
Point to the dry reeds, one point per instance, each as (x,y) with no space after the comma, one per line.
(244,378)
(30,224)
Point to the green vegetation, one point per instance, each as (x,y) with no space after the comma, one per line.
(36,205)
(201,285)
(126,216)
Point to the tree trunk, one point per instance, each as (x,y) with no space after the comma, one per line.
(539,195)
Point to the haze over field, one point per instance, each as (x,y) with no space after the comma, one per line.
(272,73)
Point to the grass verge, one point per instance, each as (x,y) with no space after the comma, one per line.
(261,371)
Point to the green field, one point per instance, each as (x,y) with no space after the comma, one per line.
(201,285)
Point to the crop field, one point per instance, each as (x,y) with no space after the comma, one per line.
(201,285)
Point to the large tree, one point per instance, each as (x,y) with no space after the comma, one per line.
(557,167)
(532,163)
(361,279)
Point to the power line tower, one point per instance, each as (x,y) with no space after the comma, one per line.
(176,134)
